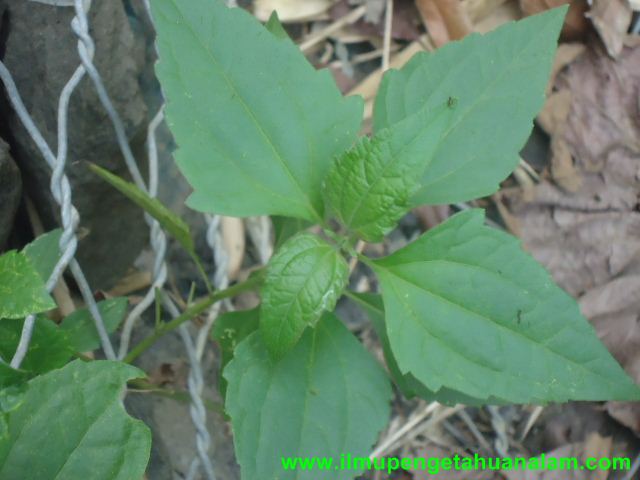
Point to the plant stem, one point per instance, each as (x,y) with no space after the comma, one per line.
(252,282)
(144,386)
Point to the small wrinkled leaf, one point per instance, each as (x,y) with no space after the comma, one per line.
(275,27)
(22,291)
(44,253)
(367,191)
(80,329)
(229,330)
(467,310)
(326,397)
(74,420)
(48,348)
(369,187)
(246,152)
(304,279)
(499,81)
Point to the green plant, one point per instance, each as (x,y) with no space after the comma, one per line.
(465,316)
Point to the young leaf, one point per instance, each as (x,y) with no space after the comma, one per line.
(498,80)
(468,310)
(242,102)
(229,330)
(79,327)
(326,397)
(48,349)
(367,190)
(22,291)
(369,187)
(74,418)
(304,278)
(44,252)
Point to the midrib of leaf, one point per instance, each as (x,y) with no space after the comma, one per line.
(232,87)
(543,344)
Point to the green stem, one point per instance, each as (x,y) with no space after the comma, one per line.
(252,282)
(144,386)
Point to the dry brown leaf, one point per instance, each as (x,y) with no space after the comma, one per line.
(233,239)
(611,18)
(479,9)
(506,12)
(445,20)
(566,54)
(575,23)
(589,239)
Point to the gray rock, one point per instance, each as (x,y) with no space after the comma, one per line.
(10,191)
(41,53)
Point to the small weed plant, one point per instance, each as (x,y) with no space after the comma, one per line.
(464,314)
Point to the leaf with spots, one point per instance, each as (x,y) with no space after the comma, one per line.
(70,424)
(22,290)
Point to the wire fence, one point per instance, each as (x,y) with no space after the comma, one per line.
(258,229)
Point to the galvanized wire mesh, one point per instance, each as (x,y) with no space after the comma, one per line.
(259,229)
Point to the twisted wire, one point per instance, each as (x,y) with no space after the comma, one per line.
(61,192)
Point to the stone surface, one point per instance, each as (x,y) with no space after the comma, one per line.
(40,50)
(10,191)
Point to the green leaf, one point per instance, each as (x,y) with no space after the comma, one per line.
(22,291)
(10,376)
(410,387)
(229,330)
(257,126)
(468,310)
(172,223)
(286,227)
(48,349)
(275,27)
(499,81)
(304,279)
(367,191)
(372,304)
(369,187)
(74,420)
(326,397)
(44,253)
(80,329)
